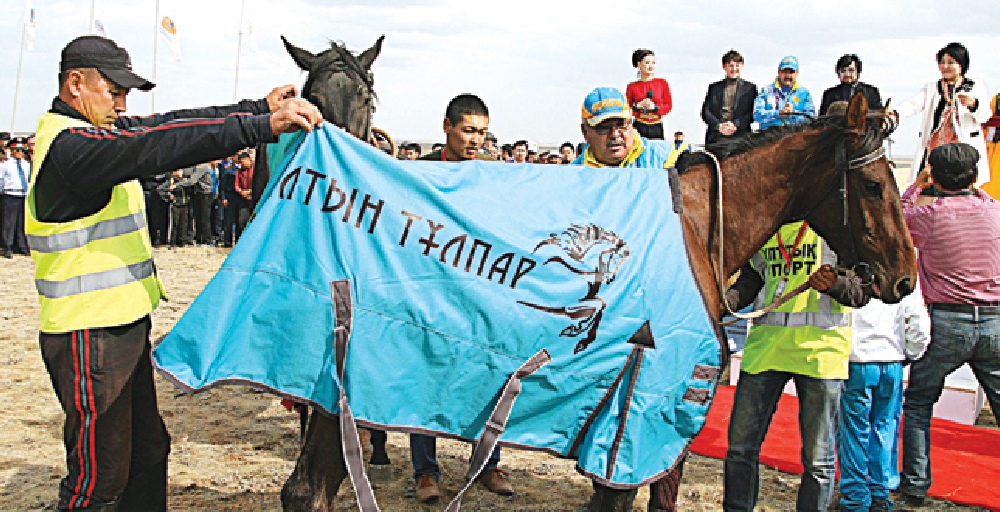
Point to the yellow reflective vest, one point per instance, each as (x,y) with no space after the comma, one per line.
(811,333)
(95,271)
(675,153)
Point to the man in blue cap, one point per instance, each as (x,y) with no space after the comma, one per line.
(778,103)
(612,141)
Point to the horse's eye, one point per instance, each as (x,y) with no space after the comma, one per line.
(873,188)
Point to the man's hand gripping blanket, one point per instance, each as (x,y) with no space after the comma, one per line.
(453,276)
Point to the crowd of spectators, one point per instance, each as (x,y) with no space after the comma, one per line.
(207,204)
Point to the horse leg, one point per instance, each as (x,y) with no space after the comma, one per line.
(379,455)
(663,492)
(379,465)
(319,471)
(606,499)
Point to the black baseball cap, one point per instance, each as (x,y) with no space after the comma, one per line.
(107,57)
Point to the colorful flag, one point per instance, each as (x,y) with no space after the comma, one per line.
(248,40)
(169,33)
(99,29)
(29,25)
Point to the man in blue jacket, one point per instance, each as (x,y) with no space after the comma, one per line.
(778,103)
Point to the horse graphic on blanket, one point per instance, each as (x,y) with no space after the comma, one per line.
(577,243)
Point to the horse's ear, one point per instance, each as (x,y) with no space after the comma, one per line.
(368,56)
(857,112)
(303,58)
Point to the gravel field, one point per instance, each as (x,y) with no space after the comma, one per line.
(233,447)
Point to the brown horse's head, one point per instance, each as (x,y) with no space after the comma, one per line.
(871,236)
(340,84)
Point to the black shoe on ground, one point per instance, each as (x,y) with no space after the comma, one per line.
(879,506)
(912,500)
(8,255)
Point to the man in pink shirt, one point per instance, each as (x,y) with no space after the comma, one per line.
(957,234)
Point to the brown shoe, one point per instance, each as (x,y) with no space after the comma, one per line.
(496,481)
(427,489)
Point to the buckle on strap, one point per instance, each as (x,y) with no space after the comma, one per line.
(495,426)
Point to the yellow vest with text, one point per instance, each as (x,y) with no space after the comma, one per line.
(675,153)
(811,333)
(95,271)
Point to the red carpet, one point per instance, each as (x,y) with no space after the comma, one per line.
(965,460)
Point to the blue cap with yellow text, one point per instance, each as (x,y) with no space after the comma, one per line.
(789,62)
(605,103)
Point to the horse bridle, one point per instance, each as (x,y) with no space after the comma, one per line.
(843,165)
(342,66)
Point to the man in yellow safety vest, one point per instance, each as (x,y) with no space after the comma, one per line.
(96,281)
(808,340)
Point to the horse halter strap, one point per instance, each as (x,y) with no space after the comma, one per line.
(861,269)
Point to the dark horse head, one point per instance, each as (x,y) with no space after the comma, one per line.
(340,84)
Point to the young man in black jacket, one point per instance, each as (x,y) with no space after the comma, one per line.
(728,105)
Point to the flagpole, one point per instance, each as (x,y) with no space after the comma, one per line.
(239,50)
(17,82)
(156,38)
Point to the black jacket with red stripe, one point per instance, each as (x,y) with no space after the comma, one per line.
(84,164)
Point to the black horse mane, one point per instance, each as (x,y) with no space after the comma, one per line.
(831,128)
(339,58)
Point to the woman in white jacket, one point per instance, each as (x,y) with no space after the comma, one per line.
(953,107)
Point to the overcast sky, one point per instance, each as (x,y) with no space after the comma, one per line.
(531,61)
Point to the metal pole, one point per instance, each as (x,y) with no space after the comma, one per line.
(156,38)
(93,8)
(239,50)
(17,82)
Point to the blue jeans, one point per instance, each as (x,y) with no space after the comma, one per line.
(956,338)
(868,437)
(423,453)
(756,399)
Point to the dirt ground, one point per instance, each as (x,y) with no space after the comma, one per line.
(234,447)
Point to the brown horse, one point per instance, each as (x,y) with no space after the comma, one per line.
(831,172)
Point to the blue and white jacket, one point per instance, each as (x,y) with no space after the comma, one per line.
(771,99)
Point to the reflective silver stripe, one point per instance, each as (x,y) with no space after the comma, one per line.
(96,281)
(80,237)
(823,321)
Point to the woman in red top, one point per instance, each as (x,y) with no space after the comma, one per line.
(649,97)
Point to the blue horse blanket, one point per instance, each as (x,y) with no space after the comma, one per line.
(458,273)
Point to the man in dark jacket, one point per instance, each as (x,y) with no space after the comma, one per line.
(94,270)
(728,105)
(157,210)
(177,191)
(202,197)
(849,71)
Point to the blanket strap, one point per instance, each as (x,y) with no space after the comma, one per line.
(675,190)
(350,442)
(497,423)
